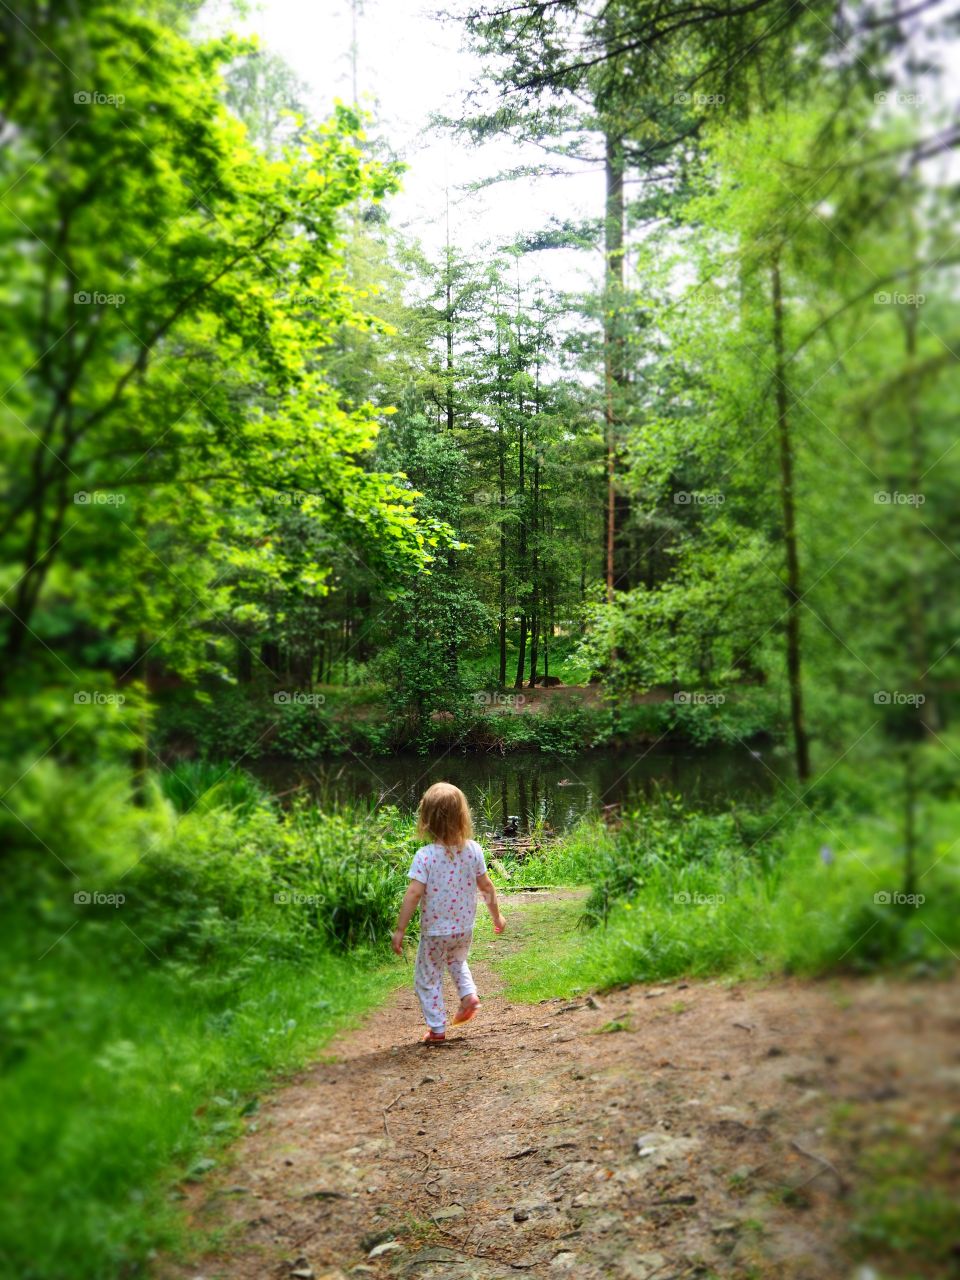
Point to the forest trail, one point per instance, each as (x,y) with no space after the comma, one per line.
(687,1129)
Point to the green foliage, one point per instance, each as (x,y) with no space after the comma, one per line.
(248,723)
(148,1026)
(904,1209)
(87,717)
(302,732)
(779,889)
(166,405)
(355,867)
(563,729)
(277,484)
(208,785)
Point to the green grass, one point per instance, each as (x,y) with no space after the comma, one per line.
(541,936)
(143,1082)
(137,1031)
(904,1204)
(209,784)
(483,669)
(696,895)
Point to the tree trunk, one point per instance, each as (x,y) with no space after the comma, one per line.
(613,365)
(919,656)
(448,281)
(794,675)
(909,821)
(521,477)
(449,395)
(502,584)
(547,633)
(141,752)
(32,581)
(270,657)
(521,654)
(535,570)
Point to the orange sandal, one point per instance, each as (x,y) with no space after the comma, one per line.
(464,1015)
(433,1037)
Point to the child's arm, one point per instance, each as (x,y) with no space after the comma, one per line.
(485,885)
(411,900)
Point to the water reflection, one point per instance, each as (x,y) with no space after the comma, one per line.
(538,788)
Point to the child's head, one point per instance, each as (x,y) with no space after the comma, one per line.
(445,815)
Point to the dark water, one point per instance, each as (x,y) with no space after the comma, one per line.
(535,787)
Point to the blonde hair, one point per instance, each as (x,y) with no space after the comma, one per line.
(445,815)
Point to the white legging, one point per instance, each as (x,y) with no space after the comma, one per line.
(432,954)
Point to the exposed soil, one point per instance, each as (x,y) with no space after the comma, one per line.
(540,698)
(674,1131)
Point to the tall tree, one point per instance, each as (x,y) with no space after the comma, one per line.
(162,344)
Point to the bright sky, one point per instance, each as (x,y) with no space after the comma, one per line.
(410,65)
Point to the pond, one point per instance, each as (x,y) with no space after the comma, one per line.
(551,790)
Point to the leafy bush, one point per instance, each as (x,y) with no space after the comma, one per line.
(233,725)
(135,1034)
(247,723)
(89,718)
(664,844)
(188,784)
(351,871)
(564,729)
(306,732)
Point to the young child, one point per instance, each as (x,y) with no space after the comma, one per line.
(444,878)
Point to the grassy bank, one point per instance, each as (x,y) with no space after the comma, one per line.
(162,962)
(775,891)
(252,723)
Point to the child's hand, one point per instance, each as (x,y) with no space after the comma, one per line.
(499,924)
(397,941)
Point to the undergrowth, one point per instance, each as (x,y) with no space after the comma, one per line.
(162,961)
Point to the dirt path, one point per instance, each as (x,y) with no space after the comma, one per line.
(711,1130)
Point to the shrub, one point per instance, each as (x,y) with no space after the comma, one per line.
(134,1036)
(189,784)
